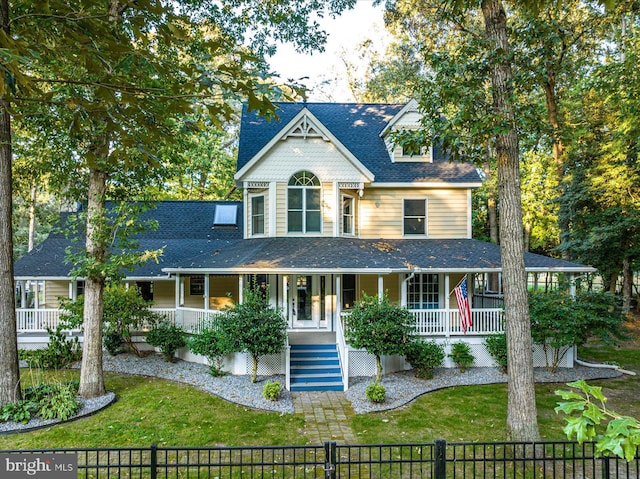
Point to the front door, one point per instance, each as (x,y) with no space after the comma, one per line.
(308,302)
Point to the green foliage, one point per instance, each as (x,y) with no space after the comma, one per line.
(59,353)
(496,344)
(424,356)
(461,355)
(125,311)
(376,392)
(271,391)
(380,327)
(213,343)
(61,403)
(559,321)
(20,411)
(47,401)
(587,415)
(168,337)
(254,326)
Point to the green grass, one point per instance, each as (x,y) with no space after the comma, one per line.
(165,413)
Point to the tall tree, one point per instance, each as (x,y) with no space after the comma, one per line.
(118,71)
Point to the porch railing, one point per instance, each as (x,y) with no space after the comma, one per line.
(36,320)
(442,322)
(343,352)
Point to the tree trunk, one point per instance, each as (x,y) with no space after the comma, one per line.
(378,369)
(254,372)
(522,423)
(9,371)
(32,217)
(627,286)
(91,374)
(492,214)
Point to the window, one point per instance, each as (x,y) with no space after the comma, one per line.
(415,217)
(348,290)
(257,215)
(424,292)
(412,150)
(146,289)
(79,288)
(347,215)
(225,215)
(303,204)
(196,285)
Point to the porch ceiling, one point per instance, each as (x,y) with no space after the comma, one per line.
(362,255)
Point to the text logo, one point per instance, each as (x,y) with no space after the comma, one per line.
(38,466)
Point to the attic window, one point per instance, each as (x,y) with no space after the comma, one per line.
(226,215)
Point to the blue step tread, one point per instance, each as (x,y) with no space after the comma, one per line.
(321,347)
(315,362)
(314,354)
(314,380)
(318,387)
(315,367)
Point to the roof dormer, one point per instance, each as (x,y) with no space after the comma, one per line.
(406,120)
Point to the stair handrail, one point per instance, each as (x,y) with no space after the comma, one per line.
(343,352)
(287,365)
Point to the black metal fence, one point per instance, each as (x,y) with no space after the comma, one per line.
(438,460)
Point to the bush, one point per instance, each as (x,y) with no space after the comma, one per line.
(271,391)
(61,403)
(113,342)
(58,354)
(496,344)
(18,412)
(213,343)
(380,327)
(168,337)
(424,356)
(376,392)
(461,355)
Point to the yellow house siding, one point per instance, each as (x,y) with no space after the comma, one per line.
(281,208)
(52,291)
(223,291)
(381,211)
(328,208)
(368,283)
(164,294)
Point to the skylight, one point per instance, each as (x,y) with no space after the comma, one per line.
(225,215)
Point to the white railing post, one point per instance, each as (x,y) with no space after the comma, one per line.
(287,366)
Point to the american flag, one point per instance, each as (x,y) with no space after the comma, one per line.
(462,295)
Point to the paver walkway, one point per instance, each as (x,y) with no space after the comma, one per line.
(326,416)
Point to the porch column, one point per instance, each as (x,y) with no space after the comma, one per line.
(23,294)
(36,297)
(285,298)
(572,285)
(177,291)
(380,287)
(240,288)
(447,306)
(71,288)
(338,298)
(403,291)
(206,292)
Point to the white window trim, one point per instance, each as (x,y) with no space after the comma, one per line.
(353,215)
(304,210)
(426,219)
(264,215)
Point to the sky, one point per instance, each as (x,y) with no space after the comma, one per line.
(345,32)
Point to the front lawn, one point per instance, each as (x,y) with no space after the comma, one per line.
(156,411)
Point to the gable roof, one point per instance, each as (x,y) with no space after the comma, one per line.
(185,229)
(358,127)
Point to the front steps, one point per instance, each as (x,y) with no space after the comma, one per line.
(315,367)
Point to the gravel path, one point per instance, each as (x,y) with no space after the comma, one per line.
(402,387)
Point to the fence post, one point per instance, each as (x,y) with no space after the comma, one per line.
(606,473)
(440,456)
(330,460)
(154,461)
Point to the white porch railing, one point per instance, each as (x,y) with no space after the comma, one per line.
(37,320)
(343,352)
(442,322)
(193,320)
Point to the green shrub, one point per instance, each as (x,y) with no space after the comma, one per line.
(496,344)
(376,392)
(213,343)
(18,412)
(168,337)
(271,391)
(461,355)
(113,342)
(59,353)
(424,356)
(61,403)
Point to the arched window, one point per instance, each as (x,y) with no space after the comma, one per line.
(304,213)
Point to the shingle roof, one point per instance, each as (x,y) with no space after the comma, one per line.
(308,254)
(358,128)
(185,229)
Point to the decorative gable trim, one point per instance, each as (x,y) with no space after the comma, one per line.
(304,125)
(305,129)
(411,106)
